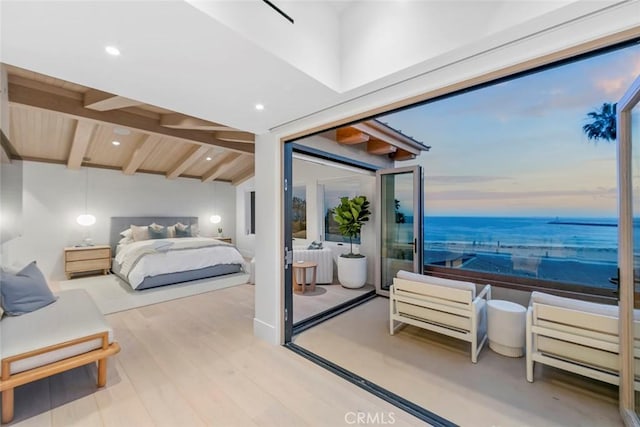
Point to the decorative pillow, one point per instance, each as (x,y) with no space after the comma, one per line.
(140,233)
(184,231)
(171,231)
(127,233)
(157,232)
(25,291)
(315,245)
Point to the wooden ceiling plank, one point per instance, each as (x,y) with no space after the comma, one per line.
(81,138)
(33,98)
(236,136)
(243,176)
(375,146)
(228,162)
(104,101)
(349,136)
(195,154)
(146,146)
(181,121)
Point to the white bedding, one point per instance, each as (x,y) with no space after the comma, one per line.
(163,256)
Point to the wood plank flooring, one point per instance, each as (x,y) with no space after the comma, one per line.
(436,372)
(195,362)
(325,297)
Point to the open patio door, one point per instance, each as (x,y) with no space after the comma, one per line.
(628,132)
(400,207)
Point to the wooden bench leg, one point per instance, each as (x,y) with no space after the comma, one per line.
(7,406)
(102,372)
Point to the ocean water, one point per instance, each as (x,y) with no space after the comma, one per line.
(592,233)
(568,250)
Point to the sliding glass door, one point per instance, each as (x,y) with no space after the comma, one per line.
(628,130)
(399,203)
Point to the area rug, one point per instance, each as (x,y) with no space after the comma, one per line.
(112,294)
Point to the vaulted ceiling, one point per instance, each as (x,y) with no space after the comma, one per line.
(55,121)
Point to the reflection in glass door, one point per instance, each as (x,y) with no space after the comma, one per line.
(400,209)
(629,247)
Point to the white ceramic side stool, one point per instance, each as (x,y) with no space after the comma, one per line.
(506,329)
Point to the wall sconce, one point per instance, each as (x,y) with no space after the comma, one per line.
(215,219)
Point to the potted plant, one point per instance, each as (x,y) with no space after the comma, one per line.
(219,231)
(351,214)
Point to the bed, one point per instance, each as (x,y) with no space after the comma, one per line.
(151,262)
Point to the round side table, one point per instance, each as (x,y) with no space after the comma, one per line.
(301,268)
(506,329)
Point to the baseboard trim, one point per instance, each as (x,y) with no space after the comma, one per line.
(265,331)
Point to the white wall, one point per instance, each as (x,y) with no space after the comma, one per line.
(53,196)
(244,241)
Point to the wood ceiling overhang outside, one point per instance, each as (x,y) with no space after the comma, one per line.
(381,139)
(55,121)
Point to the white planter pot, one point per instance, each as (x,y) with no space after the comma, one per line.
(352,272)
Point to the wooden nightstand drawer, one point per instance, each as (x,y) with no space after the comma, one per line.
(85,254)
(87,265)
(224,239)
(83,259)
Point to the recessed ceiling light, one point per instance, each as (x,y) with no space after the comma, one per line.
(208,159)
(116,143)
(259,107)
(112,50)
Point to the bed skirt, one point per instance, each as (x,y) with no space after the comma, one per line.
(182,276)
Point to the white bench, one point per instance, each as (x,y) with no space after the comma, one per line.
(448,307)
(69,333)
(576,336)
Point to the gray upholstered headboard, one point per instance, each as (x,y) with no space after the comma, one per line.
(120,223)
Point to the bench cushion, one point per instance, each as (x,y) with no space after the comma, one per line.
(74,315)
(578,305)
(438,281)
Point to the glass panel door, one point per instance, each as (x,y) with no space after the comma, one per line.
(399,205)
(628,130)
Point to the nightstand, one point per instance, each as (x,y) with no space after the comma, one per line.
(224,239)
(82,259)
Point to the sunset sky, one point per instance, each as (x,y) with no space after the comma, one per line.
(517,148)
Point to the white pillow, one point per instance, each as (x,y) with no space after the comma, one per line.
(140,232)
(127,233)
(126,241)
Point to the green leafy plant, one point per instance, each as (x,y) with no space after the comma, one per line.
(351,214)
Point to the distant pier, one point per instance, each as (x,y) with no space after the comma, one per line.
(596,224)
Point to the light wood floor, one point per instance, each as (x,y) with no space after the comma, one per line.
(325,297)
(195,362)
(436,372)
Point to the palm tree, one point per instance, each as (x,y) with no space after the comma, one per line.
(603,123)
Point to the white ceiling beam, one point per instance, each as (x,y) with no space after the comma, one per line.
(34,98)
(230,161)
(146,146)
(181,121)
(103,101)
(195,154)
(81,138)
